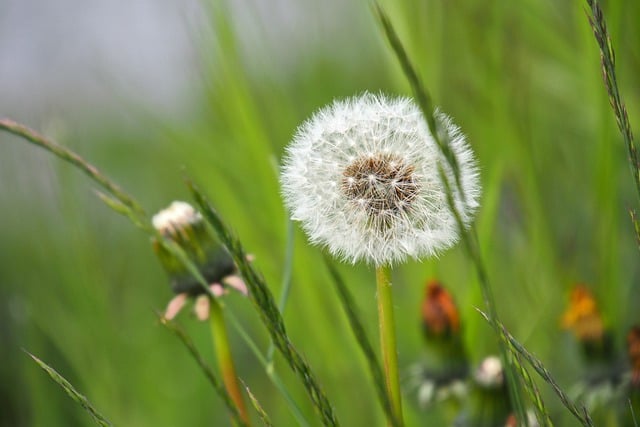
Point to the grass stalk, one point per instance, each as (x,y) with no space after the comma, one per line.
(580,412)
(286,283)
(72,392)
(70,156)
(225,359)
(388,339)
(271,373)
(608,63)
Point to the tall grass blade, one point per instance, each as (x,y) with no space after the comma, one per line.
(468,236)
(608,62)
(542,415)
(206,369)
(271,373)
(350,309)
(73,158)
(72,392)
(580,412)
(286,280)
(264,302)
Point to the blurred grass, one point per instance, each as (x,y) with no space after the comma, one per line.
(78,284)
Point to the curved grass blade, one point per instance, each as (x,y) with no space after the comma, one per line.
(72,392)
(263,300)
(580,412)
(70,156)
(358,330)
(608,62)
(271,373)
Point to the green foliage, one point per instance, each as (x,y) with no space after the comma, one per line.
(523,81)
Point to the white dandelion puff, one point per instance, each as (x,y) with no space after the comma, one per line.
(362,176)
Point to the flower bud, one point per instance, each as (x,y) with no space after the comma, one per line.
(182,224)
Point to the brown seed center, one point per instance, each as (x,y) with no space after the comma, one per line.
(382,183)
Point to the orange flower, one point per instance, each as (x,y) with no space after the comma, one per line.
(582,317)
(439,313)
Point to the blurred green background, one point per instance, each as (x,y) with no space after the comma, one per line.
(78,283)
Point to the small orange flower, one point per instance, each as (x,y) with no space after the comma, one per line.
(633,350)
(582,317)
(439,313)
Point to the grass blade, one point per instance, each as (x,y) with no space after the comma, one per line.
(358,330)
(70,156)
(580,412)
(608,62)
(206,369)
(258,407)
(263,300)
(72,392)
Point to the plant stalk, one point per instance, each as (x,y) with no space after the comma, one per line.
(225,360)
(388,339)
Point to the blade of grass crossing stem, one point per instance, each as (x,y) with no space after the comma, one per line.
(580,412)
(72,392)
(271,373)
(350,309)
(608,60)
(422,96)
(263,300)
(542,415)
(472,247)
(426,105)
(286,281)
(206,369)
(258,407)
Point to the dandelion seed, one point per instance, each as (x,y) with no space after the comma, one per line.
(362,176)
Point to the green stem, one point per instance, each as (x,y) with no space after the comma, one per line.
(388,339)
(225,360)
(73,158)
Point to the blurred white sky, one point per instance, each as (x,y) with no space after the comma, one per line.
(57,55)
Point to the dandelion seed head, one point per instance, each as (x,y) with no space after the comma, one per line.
(362,176)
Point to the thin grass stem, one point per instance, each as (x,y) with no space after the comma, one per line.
(286,282)
(608,62)
(72,392)
(580,412)
(70,156)
(271,373)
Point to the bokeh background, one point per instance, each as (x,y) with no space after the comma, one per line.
(150,90)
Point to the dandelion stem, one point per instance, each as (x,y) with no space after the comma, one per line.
(388,339)
(225,360)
